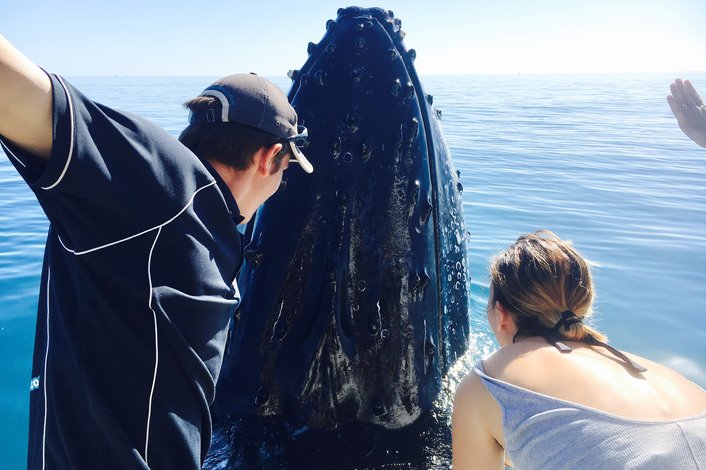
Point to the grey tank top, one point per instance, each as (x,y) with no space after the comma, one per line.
(542,432)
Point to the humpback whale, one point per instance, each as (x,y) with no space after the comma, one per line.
(355,286)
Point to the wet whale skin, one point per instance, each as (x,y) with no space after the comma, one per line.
(355,286)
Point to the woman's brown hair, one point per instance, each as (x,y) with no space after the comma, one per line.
(538,278)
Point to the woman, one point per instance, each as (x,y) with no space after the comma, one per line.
(556,395)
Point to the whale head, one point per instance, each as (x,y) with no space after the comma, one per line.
(355,286)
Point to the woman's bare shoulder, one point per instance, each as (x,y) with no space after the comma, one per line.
(513,361)
(595,378)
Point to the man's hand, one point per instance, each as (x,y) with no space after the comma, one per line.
(689,110)
(25,102)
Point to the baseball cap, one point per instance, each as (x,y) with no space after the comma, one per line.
(252,100)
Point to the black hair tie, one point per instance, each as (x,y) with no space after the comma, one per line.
(529,326)
(568,318)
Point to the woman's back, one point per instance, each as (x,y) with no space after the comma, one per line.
(584,409)
(591,376)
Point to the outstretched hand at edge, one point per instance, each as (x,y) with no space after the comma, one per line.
(689,109)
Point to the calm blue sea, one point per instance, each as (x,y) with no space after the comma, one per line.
(598,159)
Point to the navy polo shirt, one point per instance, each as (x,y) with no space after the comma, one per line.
(137,290)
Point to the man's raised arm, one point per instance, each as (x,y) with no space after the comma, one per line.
(25,102)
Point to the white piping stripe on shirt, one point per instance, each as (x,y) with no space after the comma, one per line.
(71,142)
(223,198)
(44,373)
(224,102)
(156,344)
(78,253)
(8,152)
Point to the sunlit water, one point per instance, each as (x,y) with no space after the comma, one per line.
(598,159)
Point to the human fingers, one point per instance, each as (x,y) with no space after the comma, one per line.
(690,92)
(690,98)
(676,88)
(684,97)
(675,107)
(676,99)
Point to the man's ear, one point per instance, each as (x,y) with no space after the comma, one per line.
(265,158)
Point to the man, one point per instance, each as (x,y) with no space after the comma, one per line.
(139,277)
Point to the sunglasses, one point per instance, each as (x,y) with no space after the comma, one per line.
(300,140)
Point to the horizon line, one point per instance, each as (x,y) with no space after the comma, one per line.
(488,73)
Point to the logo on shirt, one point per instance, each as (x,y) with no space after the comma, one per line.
(34,384)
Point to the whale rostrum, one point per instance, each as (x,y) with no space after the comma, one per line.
(355,285)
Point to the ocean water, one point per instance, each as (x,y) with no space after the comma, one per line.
(597,159)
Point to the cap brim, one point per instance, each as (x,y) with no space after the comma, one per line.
(301,159)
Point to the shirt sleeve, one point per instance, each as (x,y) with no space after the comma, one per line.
(110,176)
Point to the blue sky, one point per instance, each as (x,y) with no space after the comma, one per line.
(130,37)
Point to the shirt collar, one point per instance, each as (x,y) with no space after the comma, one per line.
(232,205)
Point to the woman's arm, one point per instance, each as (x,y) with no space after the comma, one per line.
(25,102)
(477,420)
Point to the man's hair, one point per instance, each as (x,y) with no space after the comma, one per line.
(230,143)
